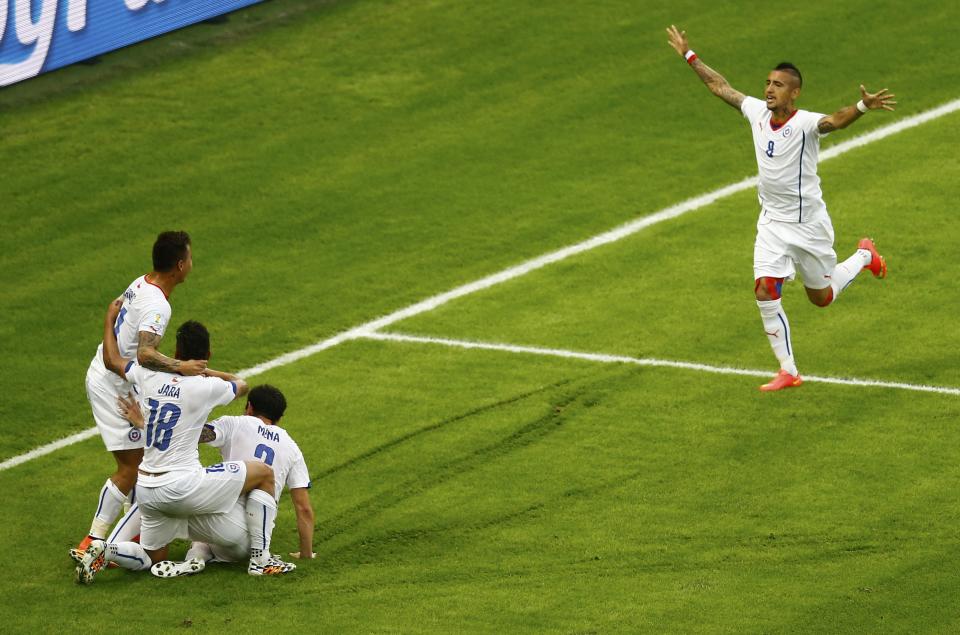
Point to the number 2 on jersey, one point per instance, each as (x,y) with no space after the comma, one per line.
(267,453)
(160,426)
(769,151)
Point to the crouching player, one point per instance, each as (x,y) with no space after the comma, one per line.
(254,436)
(172,485)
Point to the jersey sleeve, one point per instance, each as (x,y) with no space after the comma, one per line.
(811,123)
(221,392)
(155,319)
(752,109)
(222,429)
(132,371)
(298,476)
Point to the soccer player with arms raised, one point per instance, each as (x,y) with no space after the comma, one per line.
(140,324)
(794,232)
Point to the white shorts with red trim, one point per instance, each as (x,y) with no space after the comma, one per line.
(783,249)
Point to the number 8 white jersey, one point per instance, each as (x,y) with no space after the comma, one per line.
(247,438)
(787,155)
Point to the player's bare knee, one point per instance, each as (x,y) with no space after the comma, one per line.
(767,289)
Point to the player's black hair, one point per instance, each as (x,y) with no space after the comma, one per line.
(193,341)
(790,68)
(267,401)
(169,249)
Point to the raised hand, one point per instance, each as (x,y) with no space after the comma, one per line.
(882,99)
(678,40)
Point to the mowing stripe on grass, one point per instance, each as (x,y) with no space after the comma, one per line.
(613,235)
(648,361)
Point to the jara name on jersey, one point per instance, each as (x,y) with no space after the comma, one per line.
(170,391)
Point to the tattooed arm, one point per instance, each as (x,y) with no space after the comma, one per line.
(207,434)
(149,357)
(716,82)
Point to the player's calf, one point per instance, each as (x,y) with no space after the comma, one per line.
(820,297)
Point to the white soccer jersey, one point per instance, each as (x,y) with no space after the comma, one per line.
(247,438)
(787,155)
(145,308)
(174,408)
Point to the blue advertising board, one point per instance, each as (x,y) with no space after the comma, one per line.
(40,35)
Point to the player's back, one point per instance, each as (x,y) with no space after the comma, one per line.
(247,438)
(145,308)
(175,408)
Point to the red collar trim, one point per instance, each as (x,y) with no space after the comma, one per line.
(155,285)
(776,126)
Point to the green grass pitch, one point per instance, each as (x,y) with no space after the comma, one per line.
(337,161)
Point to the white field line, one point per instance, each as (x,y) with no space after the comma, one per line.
(647,361)
(48,448)
(613,235)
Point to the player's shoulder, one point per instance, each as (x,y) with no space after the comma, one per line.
(809,118)
(752,107)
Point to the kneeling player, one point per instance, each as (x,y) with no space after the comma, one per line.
(172,484)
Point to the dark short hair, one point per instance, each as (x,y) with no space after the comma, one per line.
(267,401)
(193,341)
(169,249)
(790,68)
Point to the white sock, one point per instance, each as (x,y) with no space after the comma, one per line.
(261,511)
(846,271)
(111,502)
(777,327)
(129,555)
(128,527)
(199,550)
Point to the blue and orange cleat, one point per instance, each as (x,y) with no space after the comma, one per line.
(878,265)
(781,381)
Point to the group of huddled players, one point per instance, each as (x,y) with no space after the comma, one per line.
(152,413)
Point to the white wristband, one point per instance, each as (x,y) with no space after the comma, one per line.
(862,107)
(688,55)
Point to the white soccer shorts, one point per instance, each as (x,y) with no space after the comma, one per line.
(783,249)
(103,388)
(226,534)
(165,510)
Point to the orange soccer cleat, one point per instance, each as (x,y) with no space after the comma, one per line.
(781,381)
(877,266)
(94,557)
(77,552)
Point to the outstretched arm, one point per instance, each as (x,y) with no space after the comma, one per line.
(846,116)
(242,386)
(301,504)
(716,82)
